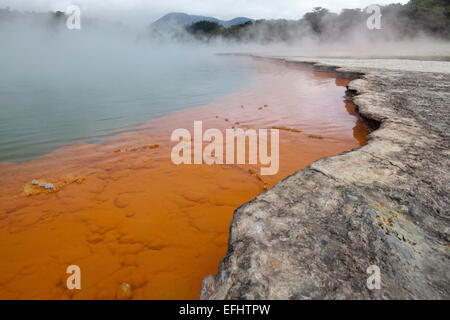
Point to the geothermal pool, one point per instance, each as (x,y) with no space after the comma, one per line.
(124,213)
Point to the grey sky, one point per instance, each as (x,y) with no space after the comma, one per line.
(149,10)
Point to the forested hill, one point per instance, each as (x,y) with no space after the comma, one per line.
(182,19)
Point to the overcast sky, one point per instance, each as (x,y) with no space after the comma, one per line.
(149,10)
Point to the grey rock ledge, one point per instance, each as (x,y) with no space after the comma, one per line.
(314,234)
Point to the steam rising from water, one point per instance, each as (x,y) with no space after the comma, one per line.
(59,87)
(56,84)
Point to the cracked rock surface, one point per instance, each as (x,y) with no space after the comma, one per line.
(314,234)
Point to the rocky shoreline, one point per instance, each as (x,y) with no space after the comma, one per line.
(314,234)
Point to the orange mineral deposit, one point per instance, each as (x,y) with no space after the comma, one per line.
(141,227)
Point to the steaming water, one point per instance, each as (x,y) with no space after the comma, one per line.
(50,101)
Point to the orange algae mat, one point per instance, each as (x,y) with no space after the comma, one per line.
(125,213)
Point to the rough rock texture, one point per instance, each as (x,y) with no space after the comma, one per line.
(314,234)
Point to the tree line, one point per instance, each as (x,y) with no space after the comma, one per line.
(417,17)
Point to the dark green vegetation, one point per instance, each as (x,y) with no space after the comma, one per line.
(431,16)
(208,29)
(203,28)
(417,17)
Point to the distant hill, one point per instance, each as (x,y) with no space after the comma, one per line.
(182,19)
